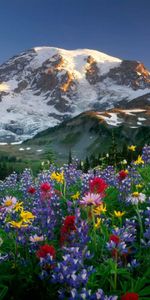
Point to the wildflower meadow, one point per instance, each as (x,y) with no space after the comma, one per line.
(66,234)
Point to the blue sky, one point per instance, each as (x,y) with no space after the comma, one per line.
(117,27)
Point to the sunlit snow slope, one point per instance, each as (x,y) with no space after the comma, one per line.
(44,86)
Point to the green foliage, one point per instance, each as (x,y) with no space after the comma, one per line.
(111,199)
(71,138)
(3,291)
(145,174)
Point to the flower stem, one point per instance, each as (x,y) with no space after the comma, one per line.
(115,274)
(93,220)
(140,223)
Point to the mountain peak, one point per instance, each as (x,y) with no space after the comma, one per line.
(77,59)
(43,86)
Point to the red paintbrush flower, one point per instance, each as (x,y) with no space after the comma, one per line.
(69,223)
(114,253)
(97,185)
(45,187)
(122,175)
(67,228)
(130,296)
(31,190)
(114,238)
(45,250)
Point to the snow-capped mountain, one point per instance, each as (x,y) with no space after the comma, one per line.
(44,86)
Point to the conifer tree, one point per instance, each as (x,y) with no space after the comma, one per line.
(70,157)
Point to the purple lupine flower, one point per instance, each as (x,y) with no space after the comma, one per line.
(126,233)
(9,183)
(48,215)
(109,175)
(72,272)
(86,294)
(124,188)
(47,265)
(146,154)
(133,264)
(121,243)
(147,227)
(134,174)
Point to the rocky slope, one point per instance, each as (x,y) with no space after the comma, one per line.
(44,86)
(91,133)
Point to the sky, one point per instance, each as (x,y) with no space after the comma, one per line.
(120,28)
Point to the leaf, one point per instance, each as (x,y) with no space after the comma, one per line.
(140,283)
(3,291)
(145,291)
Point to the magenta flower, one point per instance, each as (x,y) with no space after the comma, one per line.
(91,199)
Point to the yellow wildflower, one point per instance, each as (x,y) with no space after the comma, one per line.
(59,177)
(135,194)
(139,161)
(139,186)
(8,202)
(101,209)
(18,224)
(119,214)
(132,148)
(26,216)
(18,206)
(97,224)
(75,196)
